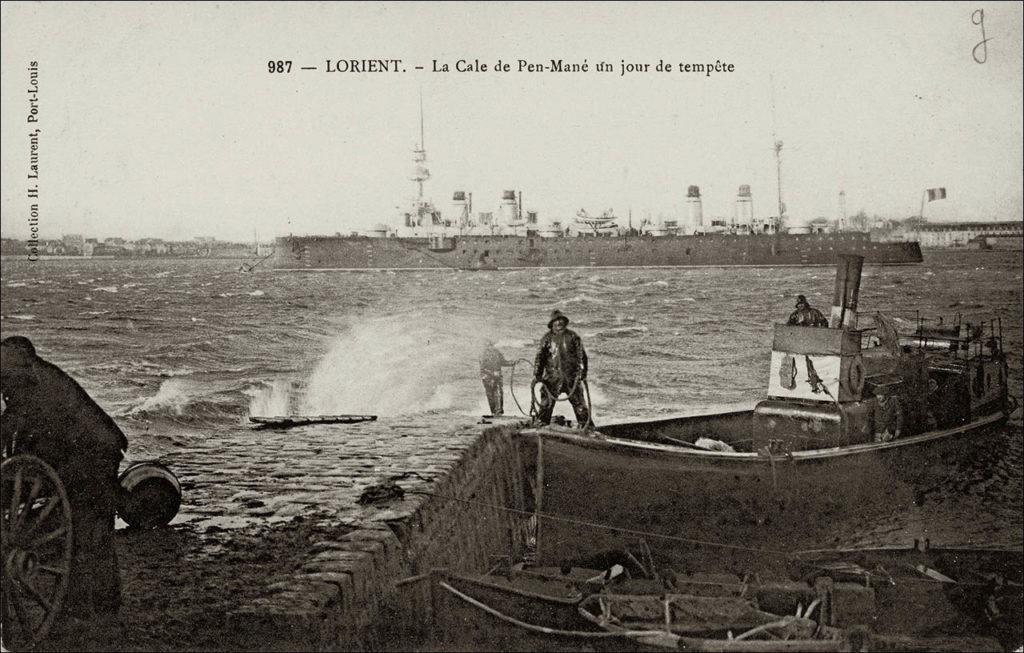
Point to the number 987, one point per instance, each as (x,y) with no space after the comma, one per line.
(279,66)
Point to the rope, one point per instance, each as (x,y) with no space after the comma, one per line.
(572,391)
(781,623)
(544,629)
(663,536)
(618,529)
(512,387)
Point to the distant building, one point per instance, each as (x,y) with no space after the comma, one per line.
(11,247)
(821,226)
(74,244)
(1009,234)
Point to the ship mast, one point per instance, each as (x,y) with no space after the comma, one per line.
(423,212)
(420,172)
(778,157)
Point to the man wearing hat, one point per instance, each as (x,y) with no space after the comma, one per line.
(48,415)
(491,362)
(561,367)
(804,315)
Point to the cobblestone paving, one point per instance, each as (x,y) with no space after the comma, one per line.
(266,476)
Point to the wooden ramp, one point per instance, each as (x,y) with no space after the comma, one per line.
(290,421)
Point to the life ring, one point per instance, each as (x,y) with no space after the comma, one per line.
(855,376)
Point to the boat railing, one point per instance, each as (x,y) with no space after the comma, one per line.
(957,338)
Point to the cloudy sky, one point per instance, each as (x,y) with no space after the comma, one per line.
(162,119)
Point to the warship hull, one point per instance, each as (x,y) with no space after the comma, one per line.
(510,252)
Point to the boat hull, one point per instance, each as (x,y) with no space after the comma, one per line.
(505,252)
(700,506)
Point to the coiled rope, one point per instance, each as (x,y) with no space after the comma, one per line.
(546,394)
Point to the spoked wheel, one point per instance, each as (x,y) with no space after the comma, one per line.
(36,549)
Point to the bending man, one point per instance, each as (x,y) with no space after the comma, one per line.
(48,415)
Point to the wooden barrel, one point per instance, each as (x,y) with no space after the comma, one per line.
(151,495)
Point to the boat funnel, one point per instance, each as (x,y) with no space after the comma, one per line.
(461,207)
(509,208)
(744,206)
(694,208)
(844,300)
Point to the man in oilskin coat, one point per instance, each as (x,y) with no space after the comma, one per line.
(491,362)
(806,315)
(561,366)
(48,415)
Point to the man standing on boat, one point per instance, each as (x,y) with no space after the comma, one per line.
(561,366)
(491,362)
(804,315)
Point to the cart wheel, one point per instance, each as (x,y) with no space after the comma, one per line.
(36,549)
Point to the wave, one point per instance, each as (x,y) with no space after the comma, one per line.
(182,401)
(171,397)
(621,332)
(584,299)
(270,398)
(20,316)
(110,289)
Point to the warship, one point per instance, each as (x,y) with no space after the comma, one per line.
(510,238)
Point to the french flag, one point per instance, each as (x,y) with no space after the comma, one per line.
(936,194)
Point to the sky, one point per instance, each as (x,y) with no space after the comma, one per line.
(162,120)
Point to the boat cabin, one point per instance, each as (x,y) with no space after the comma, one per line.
(843,385)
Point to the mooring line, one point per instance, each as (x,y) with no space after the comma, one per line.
(674,538)
(579,522)
(597,634)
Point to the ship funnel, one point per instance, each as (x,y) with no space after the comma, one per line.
(694,208)
(461,206)
(509,209)
(844,300)
(744,206)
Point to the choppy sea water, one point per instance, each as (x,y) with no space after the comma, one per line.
(181,350)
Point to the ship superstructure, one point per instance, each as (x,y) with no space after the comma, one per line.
(508,237)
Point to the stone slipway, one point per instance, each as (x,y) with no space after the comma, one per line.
(345,596)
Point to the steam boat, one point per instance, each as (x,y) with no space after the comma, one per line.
(855,420)
(510,238)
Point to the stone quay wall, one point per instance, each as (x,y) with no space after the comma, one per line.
(372,587)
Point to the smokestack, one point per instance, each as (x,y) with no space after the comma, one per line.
(695,211)
(744,206)
(844,300)
(509,207)
(460,207)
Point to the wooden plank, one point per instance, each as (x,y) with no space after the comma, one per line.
(289,421)
(816,340)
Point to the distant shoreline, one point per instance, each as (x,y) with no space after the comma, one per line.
(105,257)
